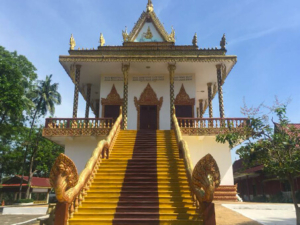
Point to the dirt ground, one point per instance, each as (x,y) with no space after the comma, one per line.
(226,216)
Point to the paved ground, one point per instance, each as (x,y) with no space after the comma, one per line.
(12,219)
(225,216)
(266,214)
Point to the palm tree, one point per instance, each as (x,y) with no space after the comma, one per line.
(45,97)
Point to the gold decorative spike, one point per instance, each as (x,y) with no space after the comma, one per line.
(206,177)
(101,40)
(148,34)
(149,6)
(171,37)
(72,42)
(125,35)
(195,40)
(223,42)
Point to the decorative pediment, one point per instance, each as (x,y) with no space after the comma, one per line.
(149,29)
(113,98)
(148,97)
(183,98)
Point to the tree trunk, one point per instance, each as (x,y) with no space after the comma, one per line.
(30,176)
(297,209)
(26,150)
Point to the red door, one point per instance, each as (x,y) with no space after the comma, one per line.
(148,117)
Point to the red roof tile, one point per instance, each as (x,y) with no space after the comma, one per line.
(35,182)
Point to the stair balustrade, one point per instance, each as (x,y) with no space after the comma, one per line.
(70,188)
(203,179)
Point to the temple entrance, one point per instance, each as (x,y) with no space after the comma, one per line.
(148,107)
(148,117)
(112,111)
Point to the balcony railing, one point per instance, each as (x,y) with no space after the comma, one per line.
(77,126)
(209,126)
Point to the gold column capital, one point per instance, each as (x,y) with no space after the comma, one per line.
(125,68)
(171,67)
(200,100)
(78,67)
(209,84)
(219,66)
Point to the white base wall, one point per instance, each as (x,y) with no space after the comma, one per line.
(200,146)
(80,150)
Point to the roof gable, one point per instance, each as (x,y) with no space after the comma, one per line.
(149,29)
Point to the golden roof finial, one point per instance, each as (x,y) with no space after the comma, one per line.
(149,6)
(102,40)
(195,40)
(172,35)
(125,35)
(223,42)
(72,42)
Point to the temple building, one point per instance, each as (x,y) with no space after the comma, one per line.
(150,78)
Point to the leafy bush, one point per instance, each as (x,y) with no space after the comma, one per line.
(279,198)
(261,198)
(24,201)
(298,196)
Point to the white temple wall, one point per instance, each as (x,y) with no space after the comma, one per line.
(160,87)
(200,146)
(106,84)
(80,150)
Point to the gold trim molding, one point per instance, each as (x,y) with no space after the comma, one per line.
(113,98)
(182,98)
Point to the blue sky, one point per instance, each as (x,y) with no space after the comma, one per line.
(264,34)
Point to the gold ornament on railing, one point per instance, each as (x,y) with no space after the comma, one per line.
(206,177)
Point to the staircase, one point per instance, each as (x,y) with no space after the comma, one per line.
(225,193)
(143,182)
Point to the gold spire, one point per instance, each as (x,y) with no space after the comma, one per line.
(102,40)
(72,42)
(149,6)
(171,36)
(195,40)
(125,35)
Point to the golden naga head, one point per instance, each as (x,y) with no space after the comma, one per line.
(206,177)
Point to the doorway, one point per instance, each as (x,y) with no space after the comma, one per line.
(184,111)
(148,117)
(112,111)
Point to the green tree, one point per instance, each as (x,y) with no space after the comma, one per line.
(17,76)
(45,97)
(276,145)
